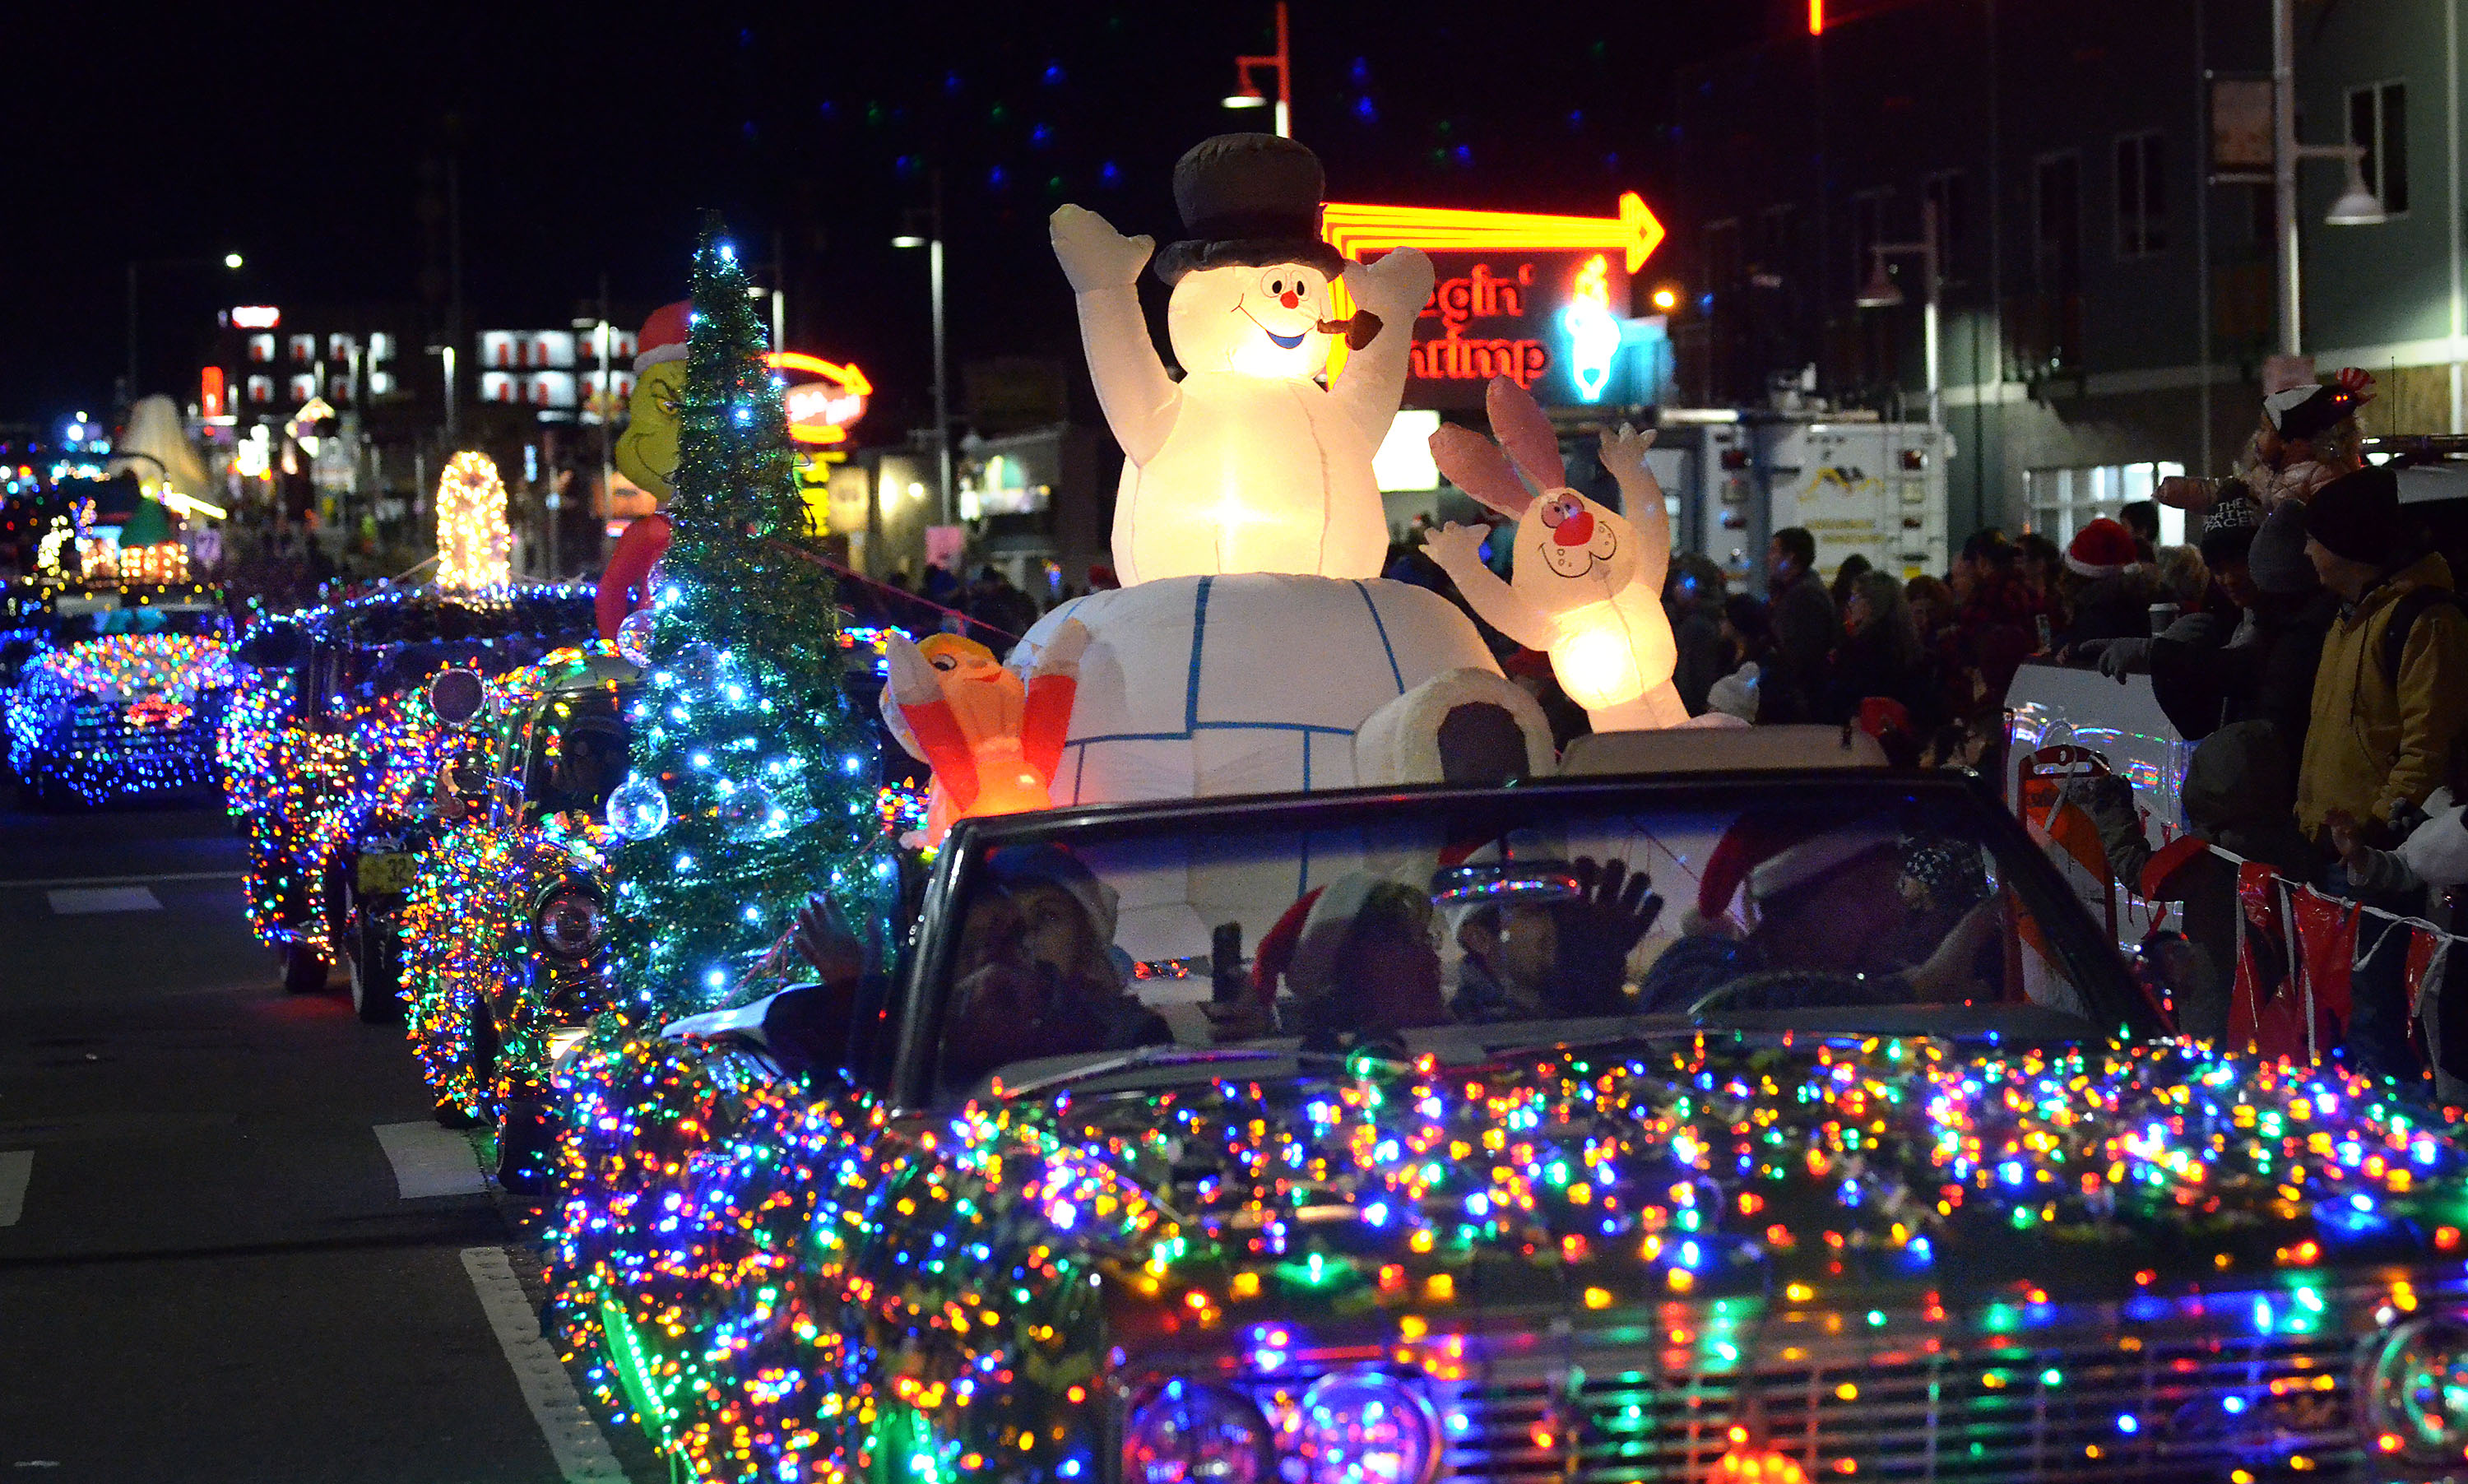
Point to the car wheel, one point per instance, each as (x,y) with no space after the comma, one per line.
(527,1151)
(376,965)
(303,973)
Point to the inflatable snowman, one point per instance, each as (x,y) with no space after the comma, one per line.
(1248,464)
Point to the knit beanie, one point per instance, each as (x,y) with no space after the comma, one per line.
(2227,531)
(2357,516)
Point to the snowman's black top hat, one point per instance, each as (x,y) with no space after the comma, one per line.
(1247,200)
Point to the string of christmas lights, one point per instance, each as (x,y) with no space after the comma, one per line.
(772,1282)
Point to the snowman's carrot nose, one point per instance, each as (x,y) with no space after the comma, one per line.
(1576,529)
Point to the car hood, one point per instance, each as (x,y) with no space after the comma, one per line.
(1733,1163)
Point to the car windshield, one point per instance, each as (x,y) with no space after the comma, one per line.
(577,753)
(1424,921)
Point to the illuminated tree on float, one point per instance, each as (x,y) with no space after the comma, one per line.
(473,546)
(753,780)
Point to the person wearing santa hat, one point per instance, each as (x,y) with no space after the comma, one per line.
(2106,595)
(1806,912)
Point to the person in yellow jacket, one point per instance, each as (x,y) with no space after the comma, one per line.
(2390,703)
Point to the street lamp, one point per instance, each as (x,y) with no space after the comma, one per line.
(2356,207)
(933,246)
(230,261)
(1246,93)
(1882,292)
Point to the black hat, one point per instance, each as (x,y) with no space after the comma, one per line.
(2227,531)
(2357,516)
(1247,200)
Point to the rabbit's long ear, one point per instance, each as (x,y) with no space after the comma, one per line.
(1520,425)
(1475,465)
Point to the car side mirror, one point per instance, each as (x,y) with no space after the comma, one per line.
(456,696)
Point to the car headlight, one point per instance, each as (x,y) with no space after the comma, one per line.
(1365,1427)
(2417,1397)
(571,924)
(1188,1434)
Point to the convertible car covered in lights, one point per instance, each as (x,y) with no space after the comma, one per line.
(331,746)
(503,922)
(1406,1135)
(114,693)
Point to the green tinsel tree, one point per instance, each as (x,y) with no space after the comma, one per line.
(768,780)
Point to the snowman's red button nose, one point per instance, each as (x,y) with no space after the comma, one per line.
(1576,529)
(1290,298)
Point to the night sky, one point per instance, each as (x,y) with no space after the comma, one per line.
(588,140)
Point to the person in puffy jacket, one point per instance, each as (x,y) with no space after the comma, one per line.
(2239,786)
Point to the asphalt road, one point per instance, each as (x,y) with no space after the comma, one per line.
(233,1244)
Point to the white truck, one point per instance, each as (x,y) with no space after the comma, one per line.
(1876,489)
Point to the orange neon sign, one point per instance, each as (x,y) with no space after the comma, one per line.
(1354,229)
(821,411)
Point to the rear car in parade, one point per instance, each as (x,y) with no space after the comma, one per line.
(113,691)
(505,907)
(1863,1158)
(330,748)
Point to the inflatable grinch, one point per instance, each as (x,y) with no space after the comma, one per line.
(646,454)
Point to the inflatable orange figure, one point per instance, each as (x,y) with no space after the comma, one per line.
(992,739)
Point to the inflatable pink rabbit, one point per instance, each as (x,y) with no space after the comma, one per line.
(1587,586)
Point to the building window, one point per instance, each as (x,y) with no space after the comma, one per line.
(303,349)
(380,346)
(2065,500)
(338,389)
(2378,124)
(339,347)
(1950,193)
(261,389)
(2056,223)
(304,386)
(380,383)
(2141,200)
(261,349)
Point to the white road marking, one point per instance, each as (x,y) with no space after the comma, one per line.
(15,1170)
(574,1440)
(77,902)
(431,1161)
(125,880)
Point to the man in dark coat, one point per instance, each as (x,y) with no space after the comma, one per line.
(1805,628)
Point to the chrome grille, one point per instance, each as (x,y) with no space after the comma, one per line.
(2158,1390)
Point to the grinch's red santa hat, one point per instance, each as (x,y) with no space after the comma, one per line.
(664,335)
(1769,854)
(2103,548)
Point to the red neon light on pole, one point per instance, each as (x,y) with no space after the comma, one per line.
(1816,17)
(1247,94)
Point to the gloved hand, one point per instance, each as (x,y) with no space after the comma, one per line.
(2118,657)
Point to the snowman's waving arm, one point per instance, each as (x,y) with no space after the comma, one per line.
(1104,266)
(1373,382)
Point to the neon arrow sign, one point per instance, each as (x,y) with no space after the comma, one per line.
(1353,229)
(821,411)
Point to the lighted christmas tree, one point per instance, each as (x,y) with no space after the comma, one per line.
(473,545)
(753,781)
